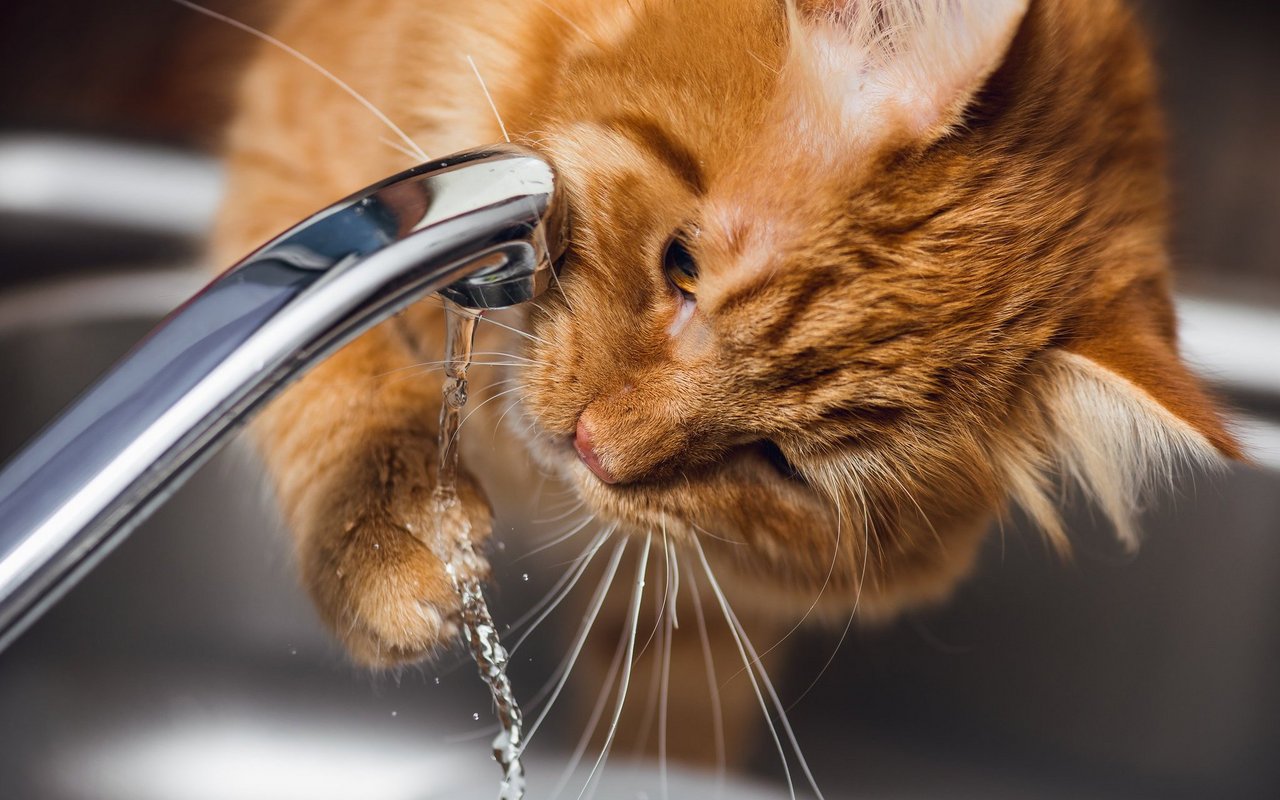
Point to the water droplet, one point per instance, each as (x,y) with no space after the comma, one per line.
(394,713)
(502,547)
(293,651)
(437,681)
(524,577)
(408,526)
(377,546)
(475,715)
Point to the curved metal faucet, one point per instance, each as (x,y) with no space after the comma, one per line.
(483,227)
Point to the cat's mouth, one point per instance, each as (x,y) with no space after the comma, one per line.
(775,458)
(743,495)
(762,454)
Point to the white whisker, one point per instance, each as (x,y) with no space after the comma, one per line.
(666,590)
(713,685)
(556,596)
(305,59)
(740,636)
(634,615)
(673,581)
(489,97)
(562,515)
(536,699)
(835,555)
(561,538)
(777,704)
(432,366)
(882,471)
(516,331)
(488,317)
(555,276)
(567,21)
(584,631)
(514,404)
(711,535)
(655,685)
(401,149)
(594,720)
(473,411)
(857,599)
(417,371)
(751,673)
(673,572)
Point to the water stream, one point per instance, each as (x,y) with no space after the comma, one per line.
(454,546)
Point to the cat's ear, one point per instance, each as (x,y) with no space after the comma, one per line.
(1124,411)
(909,64)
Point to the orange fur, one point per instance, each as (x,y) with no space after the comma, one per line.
(932,254)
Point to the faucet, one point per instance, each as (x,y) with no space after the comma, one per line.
(485,228)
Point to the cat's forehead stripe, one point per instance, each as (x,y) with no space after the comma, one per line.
(649,135)
(782,298)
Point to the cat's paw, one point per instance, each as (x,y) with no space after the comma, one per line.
(381,587)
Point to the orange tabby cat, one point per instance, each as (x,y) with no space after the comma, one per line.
(847,278)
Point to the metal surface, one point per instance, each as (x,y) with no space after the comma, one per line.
(483,226)
(75,184)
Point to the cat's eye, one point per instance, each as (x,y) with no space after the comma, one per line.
(680,268)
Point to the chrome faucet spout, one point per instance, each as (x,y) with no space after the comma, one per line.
(483,227)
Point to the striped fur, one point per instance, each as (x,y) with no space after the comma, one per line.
(933,283)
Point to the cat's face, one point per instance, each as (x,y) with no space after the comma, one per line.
(811,281)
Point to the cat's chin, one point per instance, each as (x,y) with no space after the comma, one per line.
(760,499)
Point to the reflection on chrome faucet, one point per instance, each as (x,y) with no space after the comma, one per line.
(485,227)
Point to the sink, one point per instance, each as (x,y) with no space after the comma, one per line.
(190,664)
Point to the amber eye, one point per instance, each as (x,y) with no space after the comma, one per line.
(681,269)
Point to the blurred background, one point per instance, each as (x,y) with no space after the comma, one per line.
(190,664)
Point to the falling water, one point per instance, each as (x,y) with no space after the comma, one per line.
(455,548)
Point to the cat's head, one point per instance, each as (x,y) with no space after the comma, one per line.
(848,276)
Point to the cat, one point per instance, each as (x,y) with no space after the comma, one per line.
(847,280)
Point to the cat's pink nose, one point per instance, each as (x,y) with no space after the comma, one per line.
(587,452)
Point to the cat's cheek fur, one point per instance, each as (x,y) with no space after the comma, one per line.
(941,278)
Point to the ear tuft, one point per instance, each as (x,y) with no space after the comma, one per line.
(1110,437)
(914,64)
